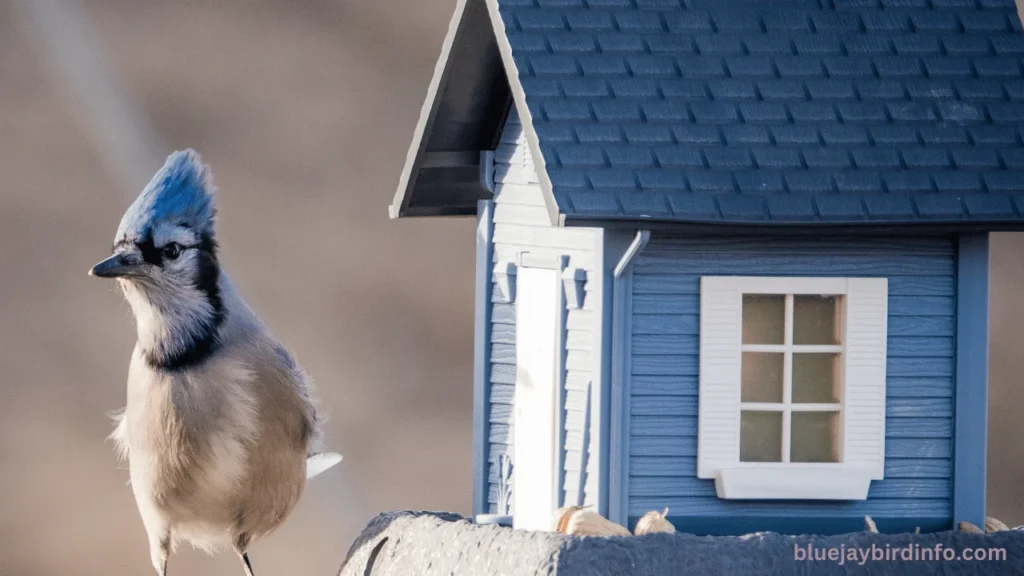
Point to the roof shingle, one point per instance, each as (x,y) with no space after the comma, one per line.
(808,111)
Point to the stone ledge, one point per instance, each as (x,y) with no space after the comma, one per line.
(400,543)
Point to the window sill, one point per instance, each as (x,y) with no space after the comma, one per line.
(793,482)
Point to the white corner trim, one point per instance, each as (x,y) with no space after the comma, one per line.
(793,482)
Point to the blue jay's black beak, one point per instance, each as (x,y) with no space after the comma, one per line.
(118,266)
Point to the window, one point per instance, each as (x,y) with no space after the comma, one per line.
(789,378)
(792,386)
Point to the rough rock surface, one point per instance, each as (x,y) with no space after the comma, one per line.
(439,543)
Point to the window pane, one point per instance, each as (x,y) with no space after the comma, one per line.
(815,437)
(764,319)
(814,320)
(761,437)
(816,378)
(761,377)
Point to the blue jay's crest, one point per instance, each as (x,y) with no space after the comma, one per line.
(181,192)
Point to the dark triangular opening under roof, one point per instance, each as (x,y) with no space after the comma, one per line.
(466,106)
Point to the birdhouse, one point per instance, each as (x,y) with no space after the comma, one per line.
(732,255)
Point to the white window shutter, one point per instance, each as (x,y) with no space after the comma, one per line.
(718,436)
(864,375)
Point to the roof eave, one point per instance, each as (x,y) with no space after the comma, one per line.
(417,157)
(428,113)
(794,228)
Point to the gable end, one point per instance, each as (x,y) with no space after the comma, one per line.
(466,105)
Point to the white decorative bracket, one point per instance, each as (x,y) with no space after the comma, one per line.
(574,280)
(504,277)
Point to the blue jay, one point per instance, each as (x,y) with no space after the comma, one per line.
(219,429)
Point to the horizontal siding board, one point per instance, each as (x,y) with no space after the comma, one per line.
(920,346)
(501,433)
(918,468)
(521,194)
(896,427)
(922,326)
(665,342)
(664,365)
(517,214)
(580,320)
(675,246)
(919,367)
(663,466)
(514,174)
(894,467)
(579,340)
(660,323)
(921,305)
(689,344)
(824,522)
(919,408)
(675,485)
(578,360)
(796,265)
(665,284)
(503,353)
(685,506)
(526,237)
(898,305)
(663,406)
(913,387)
(663,425)
(500,414)
(503,314)
(919,448)
(663,385)
(900,488)
(662,446)
(687,365)
(502,393)
(503,374)
(897,386)
(577,380)
(503,334)
(925,427)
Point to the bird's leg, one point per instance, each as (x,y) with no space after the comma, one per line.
(159,549)
(241,547)
(246,564)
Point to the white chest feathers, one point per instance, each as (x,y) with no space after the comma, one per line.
(188,436)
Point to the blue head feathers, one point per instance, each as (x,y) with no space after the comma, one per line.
(181,194)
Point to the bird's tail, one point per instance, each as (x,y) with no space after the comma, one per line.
(319,463)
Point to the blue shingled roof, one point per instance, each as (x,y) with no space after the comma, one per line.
(782,112)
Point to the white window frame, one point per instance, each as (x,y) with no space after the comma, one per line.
(862,349)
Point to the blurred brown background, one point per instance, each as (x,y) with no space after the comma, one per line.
(305,110)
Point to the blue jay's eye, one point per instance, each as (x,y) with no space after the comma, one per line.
(171,251)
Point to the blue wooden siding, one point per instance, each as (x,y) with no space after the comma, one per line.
(521,224)
(917,488)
